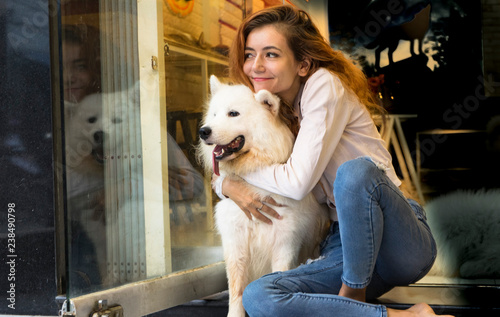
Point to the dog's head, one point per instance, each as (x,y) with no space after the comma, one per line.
(240,126)
(96,117)
(83,130)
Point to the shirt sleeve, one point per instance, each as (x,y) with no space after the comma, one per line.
(325,115)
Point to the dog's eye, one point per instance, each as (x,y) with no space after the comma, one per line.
(116,120)
(233,113)
(92,119)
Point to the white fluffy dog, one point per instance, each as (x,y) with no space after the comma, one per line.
(243,132)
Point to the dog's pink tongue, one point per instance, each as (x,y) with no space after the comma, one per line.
(215,164)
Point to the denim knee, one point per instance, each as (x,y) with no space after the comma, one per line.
(254,297)
(356,172)
(249,295)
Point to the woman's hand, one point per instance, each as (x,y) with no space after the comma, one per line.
(248,201)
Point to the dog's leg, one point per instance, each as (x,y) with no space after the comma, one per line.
(237,259)
(284,261)
(233,227)
(286,250)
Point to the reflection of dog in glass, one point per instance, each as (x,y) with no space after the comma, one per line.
(84,147)
(466,223)
(90,124)
(85,191)
(466,226)
(243,132)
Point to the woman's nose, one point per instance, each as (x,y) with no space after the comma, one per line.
(258,65)
(68,76)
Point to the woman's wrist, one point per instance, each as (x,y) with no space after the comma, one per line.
(217,186)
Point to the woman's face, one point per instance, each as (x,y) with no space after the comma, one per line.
(271,65)
(76,74)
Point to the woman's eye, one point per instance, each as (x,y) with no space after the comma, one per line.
(248,55)
(233,113)
(81,66)
(272,55)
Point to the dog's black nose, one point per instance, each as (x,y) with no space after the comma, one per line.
(99,137)
(205,132)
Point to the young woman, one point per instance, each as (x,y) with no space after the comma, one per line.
(379,237)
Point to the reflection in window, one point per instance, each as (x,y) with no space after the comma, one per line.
(414,69)
(194,242)
(84,156)
(107,235)
(103,148)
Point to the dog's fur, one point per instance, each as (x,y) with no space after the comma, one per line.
(252,248)
(466,226)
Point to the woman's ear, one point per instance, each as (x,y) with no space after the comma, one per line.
(305,65)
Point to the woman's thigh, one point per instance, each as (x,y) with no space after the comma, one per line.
(408,249)
(383,232)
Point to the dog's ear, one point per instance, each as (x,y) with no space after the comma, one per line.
(214,84)
(270,100)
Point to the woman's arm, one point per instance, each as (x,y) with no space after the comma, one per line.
(326,110)
(249,202)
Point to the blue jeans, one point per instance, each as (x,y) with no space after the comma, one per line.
(381,240)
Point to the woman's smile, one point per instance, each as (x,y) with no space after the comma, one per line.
(260,79)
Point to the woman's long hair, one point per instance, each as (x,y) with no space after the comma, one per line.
(306,42)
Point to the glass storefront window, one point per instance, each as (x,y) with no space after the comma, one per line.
(124,226)
(192,229)
(103,146)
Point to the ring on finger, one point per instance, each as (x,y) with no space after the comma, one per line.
(260,208)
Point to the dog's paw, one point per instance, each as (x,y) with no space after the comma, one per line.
(236,311)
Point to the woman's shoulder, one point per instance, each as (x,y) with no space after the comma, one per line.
(323,75)
(323,79)
(330,86)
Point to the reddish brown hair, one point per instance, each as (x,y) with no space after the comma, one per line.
(306,42)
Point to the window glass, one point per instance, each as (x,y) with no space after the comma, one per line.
(103,148)
(194,242)
(117,230)
(448,112)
